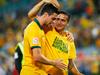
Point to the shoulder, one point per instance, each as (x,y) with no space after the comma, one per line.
(31,26)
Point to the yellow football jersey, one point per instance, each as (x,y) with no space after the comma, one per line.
(33,35)
(58,47)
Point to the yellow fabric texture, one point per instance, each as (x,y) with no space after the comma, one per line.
(58,47)
(33,35)
(27,70)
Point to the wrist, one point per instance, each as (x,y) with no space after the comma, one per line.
(52,62)
(43,1)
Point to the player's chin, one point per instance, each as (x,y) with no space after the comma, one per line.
(49,22)
(59,28)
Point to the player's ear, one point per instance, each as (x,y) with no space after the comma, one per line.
(45,14)
(37,15)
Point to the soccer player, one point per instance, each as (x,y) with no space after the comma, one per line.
(18,56)
(19,48)
(59,27)
(34,44)
(59,47)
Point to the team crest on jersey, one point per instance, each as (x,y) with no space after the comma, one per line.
(59,44)
(35,40)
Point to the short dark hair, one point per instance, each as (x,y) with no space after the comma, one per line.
(49,8)
(65,13)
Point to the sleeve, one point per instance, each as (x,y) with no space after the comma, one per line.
(72,51)
(34,38)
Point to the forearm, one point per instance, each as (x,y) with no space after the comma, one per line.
(56,63)
(44,60)
(38,57)
(75,71)
(72,68)
(35,9)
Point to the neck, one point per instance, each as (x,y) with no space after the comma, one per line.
(41,21)
(60,31)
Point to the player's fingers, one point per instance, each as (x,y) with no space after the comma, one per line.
(63,67)
(70,39)
(56,4)
(53,2)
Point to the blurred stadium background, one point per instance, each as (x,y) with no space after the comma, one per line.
(84,24)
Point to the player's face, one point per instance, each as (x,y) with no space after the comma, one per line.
(60,22)
(50,18)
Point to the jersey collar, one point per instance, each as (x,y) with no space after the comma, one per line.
(38,23)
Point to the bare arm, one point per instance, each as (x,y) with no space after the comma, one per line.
(72,67)
(38,6)
(38,57)
(35,9)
